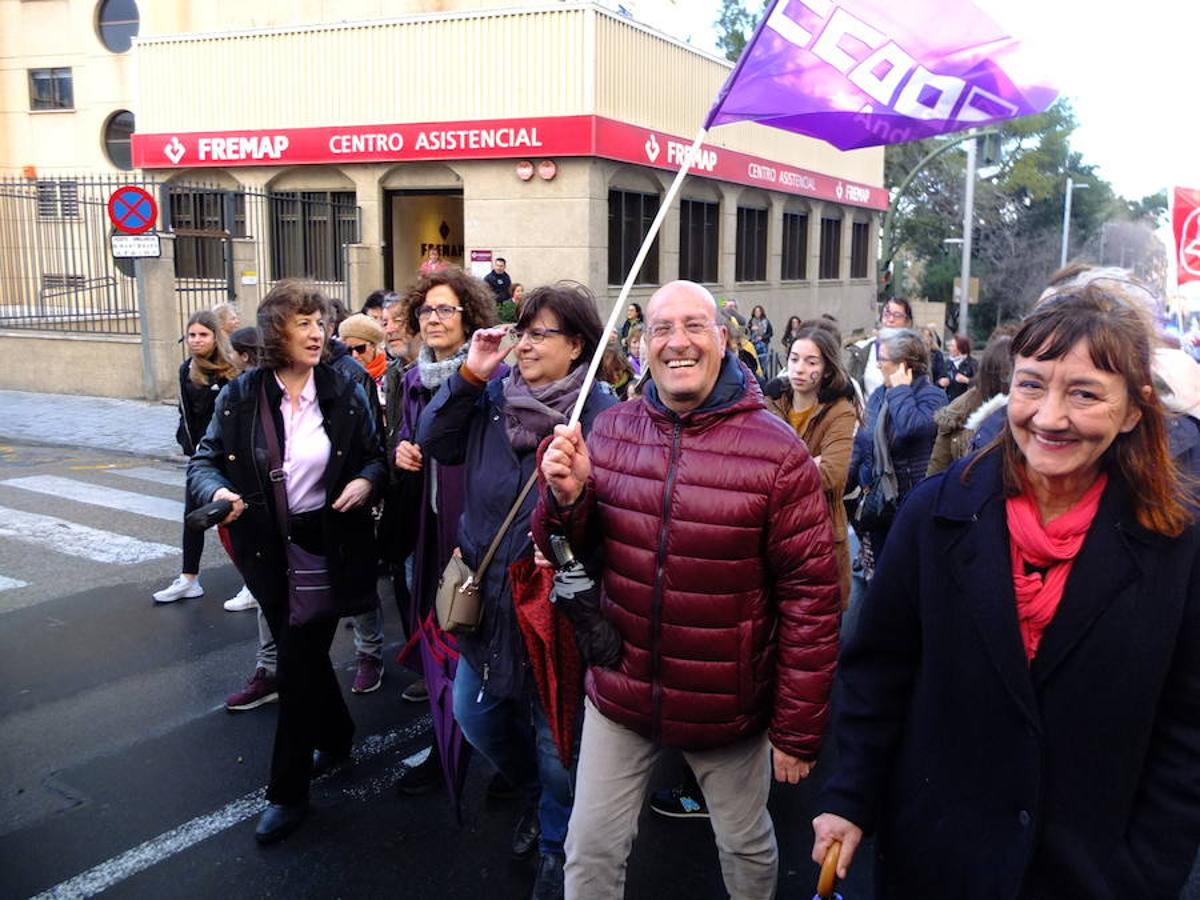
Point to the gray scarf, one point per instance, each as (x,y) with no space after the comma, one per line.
(531,413)
(433,373)
(885,473)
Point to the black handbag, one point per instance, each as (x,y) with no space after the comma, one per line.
(311,595)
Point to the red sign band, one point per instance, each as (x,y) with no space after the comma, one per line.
(490,139)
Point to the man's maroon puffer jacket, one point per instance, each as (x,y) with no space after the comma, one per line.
(718,572)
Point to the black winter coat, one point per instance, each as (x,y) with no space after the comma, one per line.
(196,403)
(233,455)
(464,424)
(988,777)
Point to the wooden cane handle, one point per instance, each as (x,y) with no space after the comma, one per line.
(828,877)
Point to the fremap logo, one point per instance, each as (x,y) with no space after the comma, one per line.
(840,190)
(652,148)
(175,150)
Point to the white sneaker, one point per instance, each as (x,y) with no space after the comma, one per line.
(179,589)
(243,600)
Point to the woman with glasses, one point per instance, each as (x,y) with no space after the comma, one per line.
(445,308)
(493,426)
(364,337)
(295,422)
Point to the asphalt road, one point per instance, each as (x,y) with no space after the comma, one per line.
(121,772)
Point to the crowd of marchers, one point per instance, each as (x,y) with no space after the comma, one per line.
(977,576)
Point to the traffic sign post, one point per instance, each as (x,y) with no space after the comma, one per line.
(133,211)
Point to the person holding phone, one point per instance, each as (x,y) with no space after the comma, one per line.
(900,430)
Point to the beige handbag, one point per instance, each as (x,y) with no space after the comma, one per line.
(459,601)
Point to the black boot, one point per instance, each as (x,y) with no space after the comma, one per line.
(279,821)
(549,882)
(526,834)
(422,778)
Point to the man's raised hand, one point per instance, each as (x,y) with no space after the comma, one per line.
(566,464)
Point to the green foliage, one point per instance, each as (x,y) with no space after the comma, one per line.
(507,311)
(1018,214)
(734,26)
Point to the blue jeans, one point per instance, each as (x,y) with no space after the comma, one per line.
(514,736)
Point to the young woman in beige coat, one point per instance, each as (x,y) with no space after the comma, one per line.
(822,406)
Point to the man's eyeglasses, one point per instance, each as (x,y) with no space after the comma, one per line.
(893,315)
(358,348)
(442,312)
(660,331)
(535,335)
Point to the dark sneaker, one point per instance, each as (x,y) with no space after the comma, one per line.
(526,834)
(261,688)
(548,885)
(369,675)
(417,692)
(422,778)
(680,802)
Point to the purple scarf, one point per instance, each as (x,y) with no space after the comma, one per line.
(530,414)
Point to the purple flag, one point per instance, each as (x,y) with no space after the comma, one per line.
(858,73)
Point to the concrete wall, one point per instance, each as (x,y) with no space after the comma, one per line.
(98,366)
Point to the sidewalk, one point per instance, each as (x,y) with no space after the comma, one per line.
(129,426)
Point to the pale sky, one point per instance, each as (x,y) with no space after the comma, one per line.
(1131,71)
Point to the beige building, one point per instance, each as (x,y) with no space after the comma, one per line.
(342,141)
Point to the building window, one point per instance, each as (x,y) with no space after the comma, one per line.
(202,221)
(831,250)
(118,130)
(51,89)
(860,239)
(795,247)
(309,230)
(117,23)
(698,233)
(58,199)
(751,260)
(629,217)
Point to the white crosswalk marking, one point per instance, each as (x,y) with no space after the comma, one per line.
(7,584)
(98,495)
(78,540)
(169,477)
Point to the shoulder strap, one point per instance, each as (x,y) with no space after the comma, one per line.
(512,514)
(278,484)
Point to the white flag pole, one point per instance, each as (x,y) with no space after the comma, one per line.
(633,271)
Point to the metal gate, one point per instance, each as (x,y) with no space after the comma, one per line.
(56,268)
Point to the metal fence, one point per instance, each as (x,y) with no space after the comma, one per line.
(56,270)
(295,234)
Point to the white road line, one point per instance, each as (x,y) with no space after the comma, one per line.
(7,584)
(82,541)
(98,495)
(170,843)
(169,477)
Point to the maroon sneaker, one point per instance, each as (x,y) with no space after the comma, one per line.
(261,688)
(369,675)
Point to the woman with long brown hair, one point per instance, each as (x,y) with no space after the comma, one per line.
(1020,703)
(208,368)
(822,406)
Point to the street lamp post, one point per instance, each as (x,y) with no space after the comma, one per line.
(968,223)
(1066,239)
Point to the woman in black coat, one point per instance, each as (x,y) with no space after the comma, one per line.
(1020,703)
(331,470)
(208,368)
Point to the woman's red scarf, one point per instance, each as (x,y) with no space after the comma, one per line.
(378,366)
(1052,547)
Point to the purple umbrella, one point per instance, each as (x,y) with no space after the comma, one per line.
(439,661)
